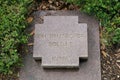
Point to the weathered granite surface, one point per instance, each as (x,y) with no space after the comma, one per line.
(60,42)
(89,70)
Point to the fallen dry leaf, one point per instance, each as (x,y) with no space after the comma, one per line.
(30,19)
(103,47)
(118,65)
(117,55)
(118,61)
(30,44)
(118,51)
(32,33)
(104,53)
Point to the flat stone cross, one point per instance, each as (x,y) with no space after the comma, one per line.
(60,42)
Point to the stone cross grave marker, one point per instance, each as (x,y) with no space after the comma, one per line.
(60,42)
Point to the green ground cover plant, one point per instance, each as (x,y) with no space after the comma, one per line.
(12,26)
(108,13)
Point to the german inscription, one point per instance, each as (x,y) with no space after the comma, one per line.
(62,36)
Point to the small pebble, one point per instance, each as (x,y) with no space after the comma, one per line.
(105,78)
(52,7)
(71,7)
(118,76)
(57,4)
(44,7)
(50,1)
